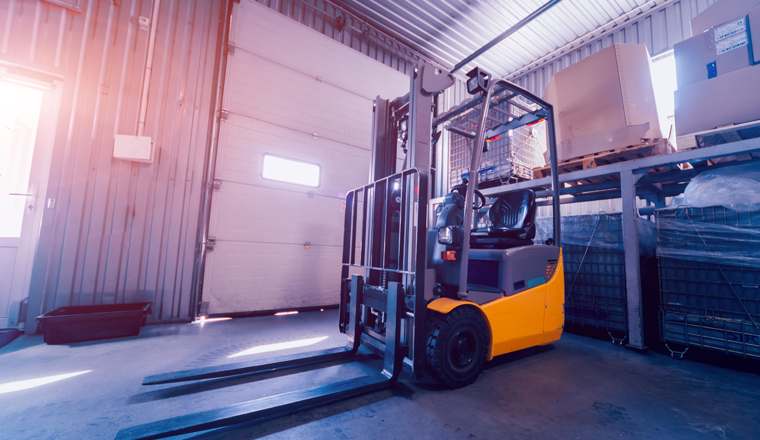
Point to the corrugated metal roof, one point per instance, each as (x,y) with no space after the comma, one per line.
(447,31)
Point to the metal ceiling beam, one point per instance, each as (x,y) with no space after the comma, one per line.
(506,34)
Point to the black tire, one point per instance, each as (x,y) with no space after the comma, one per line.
(457,346)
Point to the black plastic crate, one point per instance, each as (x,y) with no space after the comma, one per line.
(717,215)
(710,289)
(731,336)
(595,291)
(710,278)
(715,235)
(595,278)
(594,263)
(85,323)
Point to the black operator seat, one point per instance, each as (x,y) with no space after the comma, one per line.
(513,222)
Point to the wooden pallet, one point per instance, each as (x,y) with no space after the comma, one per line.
(721,135)
(647,148)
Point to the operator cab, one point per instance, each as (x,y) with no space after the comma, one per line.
(503,259)
(507,222)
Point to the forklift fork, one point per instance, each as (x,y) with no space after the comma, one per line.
(257,366)
(289,403)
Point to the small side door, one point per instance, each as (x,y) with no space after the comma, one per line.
(27,121)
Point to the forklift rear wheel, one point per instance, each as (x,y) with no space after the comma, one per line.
(457,346)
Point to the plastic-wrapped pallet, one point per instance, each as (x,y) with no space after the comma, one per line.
(592,248)
(709,259)
(594,260)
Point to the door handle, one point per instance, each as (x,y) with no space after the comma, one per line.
(18,194)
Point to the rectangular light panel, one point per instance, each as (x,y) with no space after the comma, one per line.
(290,171)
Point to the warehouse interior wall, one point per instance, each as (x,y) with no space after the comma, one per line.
(116,231)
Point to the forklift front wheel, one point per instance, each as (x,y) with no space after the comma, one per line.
(457,346)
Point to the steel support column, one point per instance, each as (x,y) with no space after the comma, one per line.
(632,273)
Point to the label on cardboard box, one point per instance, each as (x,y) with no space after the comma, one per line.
(730,36)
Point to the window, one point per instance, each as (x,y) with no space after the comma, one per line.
(664,83)
(290,171)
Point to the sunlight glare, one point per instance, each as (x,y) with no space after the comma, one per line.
(32,383)
(279,346)
(203,320)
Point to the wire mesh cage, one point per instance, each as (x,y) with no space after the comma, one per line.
(510,157)
(594,262)
(709,261)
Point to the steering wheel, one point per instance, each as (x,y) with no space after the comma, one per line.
(482,200)
(462,190)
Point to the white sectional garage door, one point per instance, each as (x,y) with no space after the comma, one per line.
(293,93)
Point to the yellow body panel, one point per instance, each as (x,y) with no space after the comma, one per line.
(532,317)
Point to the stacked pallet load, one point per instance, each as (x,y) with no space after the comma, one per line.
(605,110)
(718,76)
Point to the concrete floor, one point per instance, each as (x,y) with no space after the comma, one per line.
(579,388)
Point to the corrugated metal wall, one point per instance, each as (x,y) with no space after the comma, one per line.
(120,231)
(344,27)
(658,30)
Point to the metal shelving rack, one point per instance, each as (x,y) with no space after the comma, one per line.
(651,178)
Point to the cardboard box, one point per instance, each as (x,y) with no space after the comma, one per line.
(596,98)
(721,12)
(727,99)
(717,51)
(732,45)
(694,58)
(754,23)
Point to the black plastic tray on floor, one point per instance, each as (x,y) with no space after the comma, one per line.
(7,336)
(85,323)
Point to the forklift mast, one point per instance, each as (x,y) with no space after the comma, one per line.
(386,220)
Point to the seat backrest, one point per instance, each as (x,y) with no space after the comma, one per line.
(514,210)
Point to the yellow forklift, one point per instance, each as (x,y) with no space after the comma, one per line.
(434,289)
